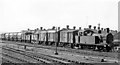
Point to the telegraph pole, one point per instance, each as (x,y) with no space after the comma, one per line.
(56,53)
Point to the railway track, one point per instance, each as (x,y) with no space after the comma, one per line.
(41,57)
(78,51)
(5,60)
(13,59)
(102,55)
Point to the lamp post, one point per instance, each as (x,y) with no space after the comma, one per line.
(56,53)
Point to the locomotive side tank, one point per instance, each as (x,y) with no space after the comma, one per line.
(87,37)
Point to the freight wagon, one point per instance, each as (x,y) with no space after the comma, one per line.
(51,36)
(2,36)
(43,37)
(66,37)
(19,36)
(35,37)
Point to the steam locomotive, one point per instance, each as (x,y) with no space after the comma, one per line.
(96,39)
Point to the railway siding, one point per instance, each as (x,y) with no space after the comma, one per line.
(75,52)
(18,57)
(71,56)
(41,57)
(78,51)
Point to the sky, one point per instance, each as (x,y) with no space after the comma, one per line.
(17,15)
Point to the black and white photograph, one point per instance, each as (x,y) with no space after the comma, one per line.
(60,32)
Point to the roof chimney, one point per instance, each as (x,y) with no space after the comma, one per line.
(67,26)
(90,26)
(74,27)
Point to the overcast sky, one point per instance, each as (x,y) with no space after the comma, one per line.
(17,15)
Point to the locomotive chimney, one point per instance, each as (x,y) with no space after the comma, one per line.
(108,30)
(79,28)
(41,28)
(74,27)
(90,26)
(67,26)
(94,27)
